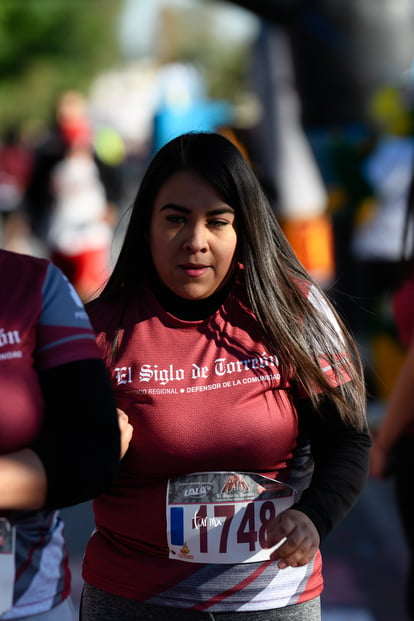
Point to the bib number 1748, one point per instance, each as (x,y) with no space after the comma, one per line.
(224,530)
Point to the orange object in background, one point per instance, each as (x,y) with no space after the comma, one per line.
(312,241)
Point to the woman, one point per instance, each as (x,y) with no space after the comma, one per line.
(59,435)
(236,376)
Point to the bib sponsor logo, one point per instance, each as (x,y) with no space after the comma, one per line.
(199,491)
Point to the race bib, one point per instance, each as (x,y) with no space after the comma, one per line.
(7,570)
(222,517)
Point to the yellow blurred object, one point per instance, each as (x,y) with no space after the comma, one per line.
(109,146)
(365,211)
(336,199)
(387,109)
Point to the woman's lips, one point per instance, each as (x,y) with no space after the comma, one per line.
(194,270)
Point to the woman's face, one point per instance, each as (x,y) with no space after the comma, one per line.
(192,236)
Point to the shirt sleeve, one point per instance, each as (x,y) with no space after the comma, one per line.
(79,442)
(64,332)
(341,464)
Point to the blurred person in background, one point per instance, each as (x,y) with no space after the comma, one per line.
(392,453)
(16,161)
(247,399)
(70,122)
(81,220)
(60,440)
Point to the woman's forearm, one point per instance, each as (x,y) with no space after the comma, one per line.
(400,409)
(23,483)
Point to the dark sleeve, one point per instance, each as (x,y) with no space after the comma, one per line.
(341,455)
(79,443)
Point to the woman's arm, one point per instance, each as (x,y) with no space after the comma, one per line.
(398,416)
(341,455)
(79,444)
(23,479)
(341,458)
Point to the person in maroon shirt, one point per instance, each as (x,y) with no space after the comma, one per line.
(59,437)
(247,399)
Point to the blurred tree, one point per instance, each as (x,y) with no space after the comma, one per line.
(47,46)
(193,33)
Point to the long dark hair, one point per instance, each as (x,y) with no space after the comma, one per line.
(275,279)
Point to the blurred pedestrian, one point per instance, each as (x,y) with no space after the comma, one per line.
(70,121)
(247,398)
(59,434)
(392,453)
(16,161)
(81,221)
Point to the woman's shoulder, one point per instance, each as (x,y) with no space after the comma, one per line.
(114,314)
(101,312)
(23,275)
(16,262)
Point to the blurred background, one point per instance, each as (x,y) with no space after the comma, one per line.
(319,95)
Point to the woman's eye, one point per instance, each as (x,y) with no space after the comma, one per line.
(218,223)
(175,219)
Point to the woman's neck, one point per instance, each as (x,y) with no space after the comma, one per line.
(189,310)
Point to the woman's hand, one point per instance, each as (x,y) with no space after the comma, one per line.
(301,539)
(126,430)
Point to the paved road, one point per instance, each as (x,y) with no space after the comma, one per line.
(364,559)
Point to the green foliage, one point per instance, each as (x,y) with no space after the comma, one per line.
(196,36)
(47,46)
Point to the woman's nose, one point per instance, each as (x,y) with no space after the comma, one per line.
(195,240)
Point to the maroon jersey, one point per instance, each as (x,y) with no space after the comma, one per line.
(202,396)
(42,324)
